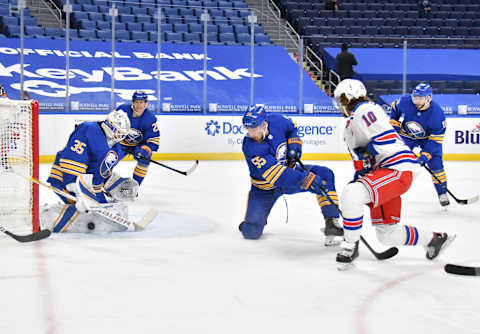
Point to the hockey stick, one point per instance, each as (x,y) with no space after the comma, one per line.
(462,270)
(459,201)
(187,172)
(103,209)
(391,252)
(42,234)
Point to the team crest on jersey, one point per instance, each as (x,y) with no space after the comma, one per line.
(133,138)
(281,154)
(415,129)
(108,163)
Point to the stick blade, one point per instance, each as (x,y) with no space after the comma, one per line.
(192,169)
(462,270)
(43,234)
(389,253)
(146,220)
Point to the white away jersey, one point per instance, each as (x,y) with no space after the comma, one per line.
(369,129)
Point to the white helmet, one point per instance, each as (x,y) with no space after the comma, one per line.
(353,89)
(116,126)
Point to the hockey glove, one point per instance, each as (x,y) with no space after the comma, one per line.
(314,184)
(424,158)
(142,153)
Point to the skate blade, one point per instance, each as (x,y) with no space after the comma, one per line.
(332,241)
(345,266)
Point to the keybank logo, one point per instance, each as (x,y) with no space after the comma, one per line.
(225,128)
(212,128)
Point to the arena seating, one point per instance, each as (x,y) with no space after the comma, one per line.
(137,21)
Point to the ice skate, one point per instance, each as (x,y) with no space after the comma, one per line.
(444,201)
(439,242)
(333,232)
(347,254)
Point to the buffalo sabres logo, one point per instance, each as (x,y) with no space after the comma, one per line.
(414,129)
(108,163)
(133,138)
(281,153)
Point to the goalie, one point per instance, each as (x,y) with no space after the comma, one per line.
(91,149)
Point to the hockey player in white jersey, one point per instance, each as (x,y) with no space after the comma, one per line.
(384,168)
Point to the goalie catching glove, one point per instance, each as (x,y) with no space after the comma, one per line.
(121,189)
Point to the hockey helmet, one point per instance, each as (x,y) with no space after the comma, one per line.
(422,96)
(353,89)
(139,95)
(116,126)
(254,116)
(422,90)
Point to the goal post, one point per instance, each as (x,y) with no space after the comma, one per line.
(19,198)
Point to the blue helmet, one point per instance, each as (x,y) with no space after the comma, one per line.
(254,116)
(422,90)
(140,95)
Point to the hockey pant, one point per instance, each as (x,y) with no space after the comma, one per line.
(380,190)
(61,218)
(260,203)
(435,164)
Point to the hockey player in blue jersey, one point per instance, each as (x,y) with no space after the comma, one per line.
(144,137)
(91,149)
(271,149)
(421,123)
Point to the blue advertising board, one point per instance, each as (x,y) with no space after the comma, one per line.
(228,81)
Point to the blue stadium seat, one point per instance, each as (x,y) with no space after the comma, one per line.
(240,29)
(262,38)
(170,11)
(87,24)
(149,27)
(124,10)
(103,25)
(224,4)
(227,37)
(13,30)
(187,12)
(195,27)
(212,37)
(180,27)
(140,36)
(190,19)
(194,3)
(134,26)
(166,27)
(139,11)
(415,31)
(356,30)
(215,12)
(122,35)
(462,31)
(192,37)
(33,31)
(96,17)
(87,34)
(174,37)
(243,38)
(53,32)
(230,13)
(371,31)
(126,18)
(90,8)
(104,35)
(240,4)
(225,28)
(174,19)
(143,18)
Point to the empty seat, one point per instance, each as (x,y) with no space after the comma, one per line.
(87,24)
(243,38)
(96,17)
(53,32)
(86,34)
(173,37)
(180,27)
(33,30)
(139,36)
(262,38)
(192,37)
(122,35)
(104,34)
(226,37)
(134,26)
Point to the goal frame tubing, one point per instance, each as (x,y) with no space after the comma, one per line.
(35,168)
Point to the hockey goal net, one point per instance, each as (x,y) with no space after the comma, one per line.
(18,156)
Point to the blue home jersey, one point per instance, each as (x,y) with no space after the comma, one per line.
(145,129)
(86,152)
(267,160)
(419,128)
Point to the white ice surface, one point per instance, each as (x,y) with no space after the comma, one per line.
(191,271)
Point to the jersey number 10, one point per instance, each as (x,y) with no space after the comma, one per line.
(371,118)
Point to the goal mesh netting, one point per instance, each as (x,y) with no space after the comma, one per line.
(18,156)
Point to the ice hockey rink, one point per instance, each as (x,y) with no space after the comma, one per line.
(191,271)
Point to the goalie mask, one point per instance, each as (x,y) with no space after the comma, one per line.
(116,127)
(121,189)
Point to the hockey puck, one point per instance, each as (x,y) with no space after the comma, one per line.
(91,226)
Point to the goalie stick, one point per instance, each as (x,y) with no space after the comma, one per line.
(459,201)
(391,252)
(42,234)
(103,209)
(186,173)
(462,270)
